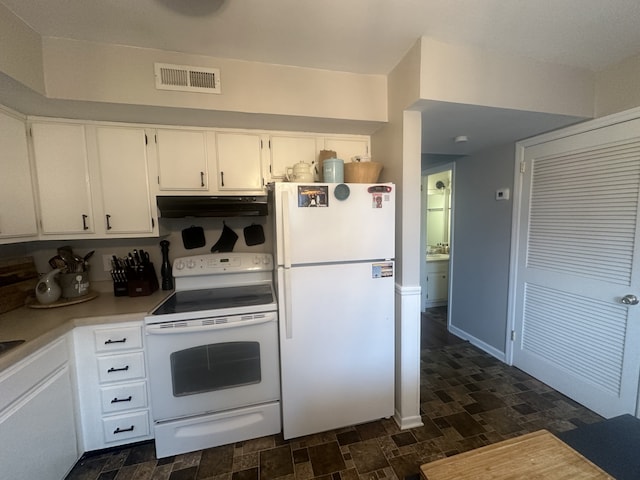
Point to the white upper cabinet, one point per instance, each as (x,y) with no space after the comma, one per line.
(238,159)
(92,180)
(17,205)
(122,156)
(182,160)
(348,147)
(61,161)
(289,149)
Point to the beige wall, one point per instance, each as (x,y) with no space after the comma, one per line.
(397,145)
(618,87)
(20,51)
(475,76)
(86,71)
(388,147)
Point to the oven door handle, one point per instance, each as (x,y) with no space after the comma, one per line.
(172,329)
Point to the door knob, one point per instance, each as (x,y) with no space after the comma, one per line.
(630,300)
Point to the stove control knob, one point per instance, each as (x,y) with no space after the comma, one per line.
(265,259)
(191,264)
(179,265)
(256,260)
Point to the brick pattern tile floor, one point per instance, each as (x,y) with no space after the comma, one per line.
(468,399)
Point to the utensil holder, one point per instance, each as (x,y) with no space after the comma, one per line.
(136,281)
(74,284)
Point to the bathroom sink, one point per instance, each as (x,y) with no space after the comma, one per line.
(8,345)
(437,256)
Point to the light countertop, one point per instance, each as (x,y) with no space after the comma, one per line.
(41,326)
(437,257)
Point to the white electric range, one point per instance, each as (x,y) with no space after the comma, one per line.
(212,352)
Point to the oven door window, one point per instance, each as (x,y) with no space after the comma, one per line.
(215,366)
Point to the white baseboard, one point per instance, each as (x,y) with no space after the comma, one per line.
(440,303)
(408,422)
(494,352)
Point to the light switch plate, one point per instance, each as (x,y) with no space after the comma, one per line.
(106,262)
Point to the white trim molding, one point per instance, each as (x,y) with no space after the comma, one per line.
(478,343)
(407,395)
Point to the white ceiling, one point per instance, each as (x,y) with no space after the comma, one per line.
(362,36)
(484,127)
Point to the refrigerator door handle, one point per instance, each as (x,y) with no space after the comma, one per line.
(286,230)
(284,299)
(288,321)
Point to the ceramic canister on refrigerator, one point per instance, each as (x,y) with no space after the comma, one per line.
(333,170)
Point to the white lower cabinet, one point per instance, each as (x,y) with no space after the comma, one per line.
(118,429)
(118,398)
(437,283)
(37,416)
(112,385)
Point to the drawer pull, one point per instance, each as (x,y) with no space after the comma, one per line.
(109,342)
(118,430)
(116,399)
(123,369)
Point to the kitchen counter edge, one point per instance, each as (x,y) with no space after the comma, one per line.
(39,327)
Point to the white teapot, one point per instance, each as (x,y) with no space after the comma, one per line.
(300,172)
(47,288)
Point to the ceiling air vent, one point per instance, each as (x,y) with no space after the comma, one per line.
(187,79)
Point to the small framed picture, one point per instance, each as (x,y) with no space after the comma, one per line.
(310,196)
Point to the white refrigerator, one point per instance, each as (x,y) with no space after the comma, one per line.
(335,284)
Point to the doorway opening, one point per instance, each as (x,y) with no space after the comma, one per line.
(436,235)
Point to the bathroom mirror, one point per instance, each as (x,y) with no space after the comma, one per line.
(438,213)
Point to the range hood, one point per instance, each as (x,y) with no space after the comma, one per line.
(174,206)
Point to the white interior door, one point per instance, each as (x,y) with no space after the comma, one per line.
(576,263)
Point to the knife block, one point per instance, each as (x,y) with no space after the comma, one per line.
(142,281)
(120,289)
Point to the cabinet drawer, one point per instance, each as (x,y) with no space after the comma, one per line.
(115,368)
(118,339)
(123,427)
(123,397)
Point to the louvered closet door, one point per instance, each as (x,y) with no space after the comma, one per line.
(578,239)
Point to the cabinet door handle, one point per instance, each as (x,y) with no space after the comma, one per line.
(202,179)
(119,430)
(84,222)
(108,222)
(123,369)
(116,399)
(222,179)
(109,342)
